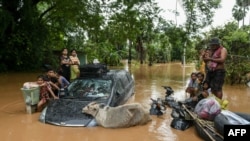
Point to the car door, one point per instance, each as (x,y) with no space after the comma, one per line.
(118,94)
(124,88)
(130,86)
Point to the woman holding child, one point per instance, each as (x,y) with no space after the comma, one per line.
(74,68)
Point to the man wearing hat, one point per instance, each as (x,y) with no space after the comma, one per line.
(216,73)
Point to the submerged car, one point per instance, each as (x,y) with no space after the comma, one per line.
(96,83)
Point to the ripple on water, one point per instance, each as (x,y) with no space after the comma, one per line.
(14,107)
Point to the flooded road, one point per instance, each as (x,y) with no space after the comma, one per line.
(17,125)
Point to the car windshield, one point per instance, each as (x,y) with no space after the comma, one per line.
(90,88)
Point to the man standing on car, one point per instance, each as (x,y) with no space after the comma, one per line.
(216,73)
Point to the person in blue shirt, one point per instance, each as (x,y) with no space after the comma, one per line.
(63,82)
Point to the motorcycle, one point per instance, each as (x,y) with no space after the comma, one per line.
(169,99)
(181,119)
(157,107)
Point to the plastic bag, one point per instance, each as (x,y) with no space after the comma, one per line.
(29,85)
(234,118)
(223,103)
(207,108)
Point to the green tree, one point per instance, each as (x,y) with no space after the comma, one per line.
(238,14)
(35,28)
(199,13)
(243,4)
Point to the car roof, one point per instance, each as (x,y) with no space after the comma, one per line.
(100,70)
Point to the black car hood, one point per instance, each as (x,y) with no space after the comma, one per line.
(68,112)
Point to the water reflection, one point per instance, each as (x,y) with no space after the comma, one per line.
(16,125)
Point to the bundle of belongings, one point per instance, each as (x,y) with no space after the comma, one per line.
(206,109)
(181,118)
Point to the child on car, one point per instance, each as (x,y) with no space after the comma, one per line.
(45,92)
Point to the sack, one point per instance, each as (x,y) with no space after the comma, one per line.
(207,108)
(180,124)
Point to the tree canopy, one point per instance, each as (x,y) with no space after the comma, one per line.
(33,30)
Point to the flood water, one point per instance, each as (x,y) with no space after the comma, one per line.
(17,125)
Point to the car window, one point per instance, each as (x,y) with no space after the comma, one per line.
(90,88)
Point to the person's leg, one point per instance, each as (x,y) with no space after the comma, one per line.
(68,73)
(190,91)
(40,105)
(218,83)
(72,73)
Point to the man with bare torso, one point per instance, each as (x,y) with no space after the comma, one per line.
(216,73)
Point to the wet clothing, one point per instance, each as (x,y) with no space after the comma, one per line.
(216,79)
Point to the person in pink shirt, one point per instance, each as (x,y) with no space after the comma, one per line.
(216,69)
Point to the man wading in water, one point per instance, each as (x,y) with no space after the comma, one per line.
(216,73)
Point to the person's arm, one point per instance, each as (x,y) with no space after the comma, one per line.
(206,58)
(78,61)
(189,87)
(196,86)
(60,81)
(54,85)
(65,61)
(52,93)
(62,61)
(222,58)
(75,60)
(202,54)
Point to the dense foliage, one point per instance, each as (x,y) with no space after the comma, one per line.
(32,31)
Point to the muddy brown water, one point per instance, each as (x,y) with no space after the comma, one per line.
(17,125)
